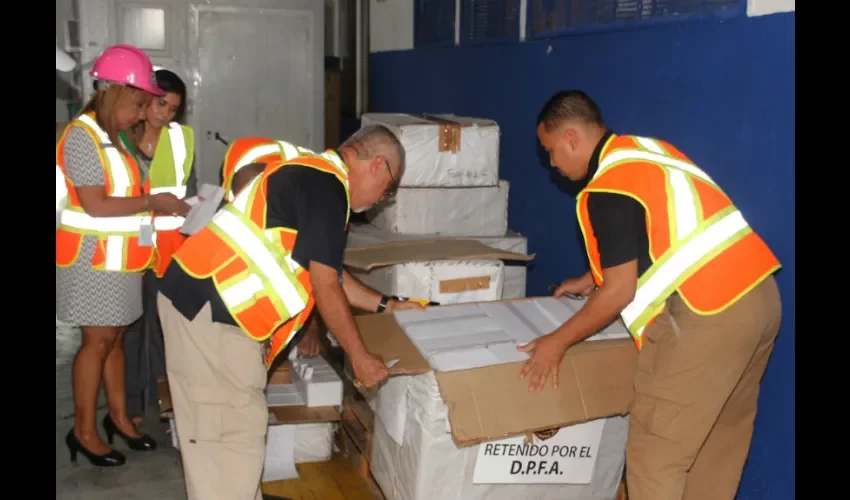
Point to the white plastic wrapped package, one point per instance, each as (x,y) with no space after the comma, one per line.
(314,442)
(472,211)
(428,465)
(515,274)
(426,280)
(431,161)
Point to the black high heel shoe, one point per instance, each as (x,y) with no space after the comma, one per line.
(111,459)
(143,443)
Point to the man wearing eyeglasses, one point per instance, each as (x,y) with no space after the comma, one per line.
(239,290)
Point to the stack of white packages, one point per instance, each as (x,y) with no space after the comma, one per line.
(450,188)
(315,383)
(445,153)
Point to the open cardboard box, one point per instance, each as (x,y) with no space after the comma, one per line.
(595,381)
(365,259)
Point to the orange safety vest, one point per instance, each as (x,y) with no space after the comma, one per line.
(118,246)
(699,242)
(266,292)
(249,150)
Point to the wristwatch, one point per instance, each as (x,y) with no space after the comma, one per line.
(385,299)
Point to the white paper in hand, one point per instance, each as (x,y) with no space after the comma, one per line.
(203,211)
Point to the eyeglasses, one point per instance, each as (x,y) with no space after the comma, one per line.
(391,189)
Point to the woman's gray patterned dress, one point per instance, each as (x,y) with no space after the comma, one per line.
(84,296)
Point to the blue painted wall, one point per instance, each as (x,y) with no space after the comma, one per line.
(723,92)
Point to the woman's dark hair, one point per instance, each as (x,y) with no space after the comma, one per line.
(170,82)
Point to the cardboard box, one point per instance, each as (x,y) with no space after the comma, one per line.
(390,278)
(444,150)
(492,402)
(367,258)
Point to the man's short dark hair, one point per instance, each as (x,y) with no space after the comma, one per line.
(569,105)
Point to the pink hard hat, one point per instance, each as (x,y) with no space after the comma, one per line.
(126,65)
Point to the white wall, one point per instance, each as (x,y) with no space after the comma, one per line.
(390,25)
(64,90)
(763,7)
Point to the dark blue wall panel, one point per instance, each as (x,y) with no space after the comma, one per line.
(721,91)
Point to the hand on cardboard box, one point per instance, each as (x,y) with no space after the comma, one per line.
(581,286)
(369,370)
(546,354)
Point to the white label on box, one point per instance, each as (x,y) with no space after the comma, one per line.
(567,457)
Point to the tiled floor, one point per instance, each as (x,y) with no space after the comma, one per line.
(147,475)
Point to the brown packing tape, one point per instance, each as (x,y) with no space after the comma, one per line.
(450,133)
(465,284)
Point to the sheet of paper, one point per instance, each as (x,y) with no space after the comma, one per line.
(203,211)
(280,454)
(484,334)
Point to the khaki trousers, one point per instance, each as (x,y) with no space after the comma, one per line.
(217,378)
(696,391)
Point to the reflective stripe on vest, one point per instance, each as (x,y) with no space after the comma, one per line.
(61,190)
(667,274)
(177,144)
(168,222)
(286,150)
(255,250)
(87,224)
(121,182)
(693,239)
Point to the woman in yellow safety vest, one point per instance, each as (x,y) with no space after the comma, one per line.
(104,243)
(166,149)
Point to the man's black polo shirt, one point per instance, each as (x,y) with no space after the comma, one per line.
(619,222)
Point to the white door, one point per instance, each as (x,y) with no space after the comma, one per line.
(252,67)
(257,71)
(158,27)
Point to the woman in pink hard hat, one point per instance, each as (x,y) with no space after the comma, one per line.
(103,245)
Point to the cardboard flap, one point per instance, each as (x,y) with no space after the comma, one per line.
(385,339)
(400,252)
(595,381)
